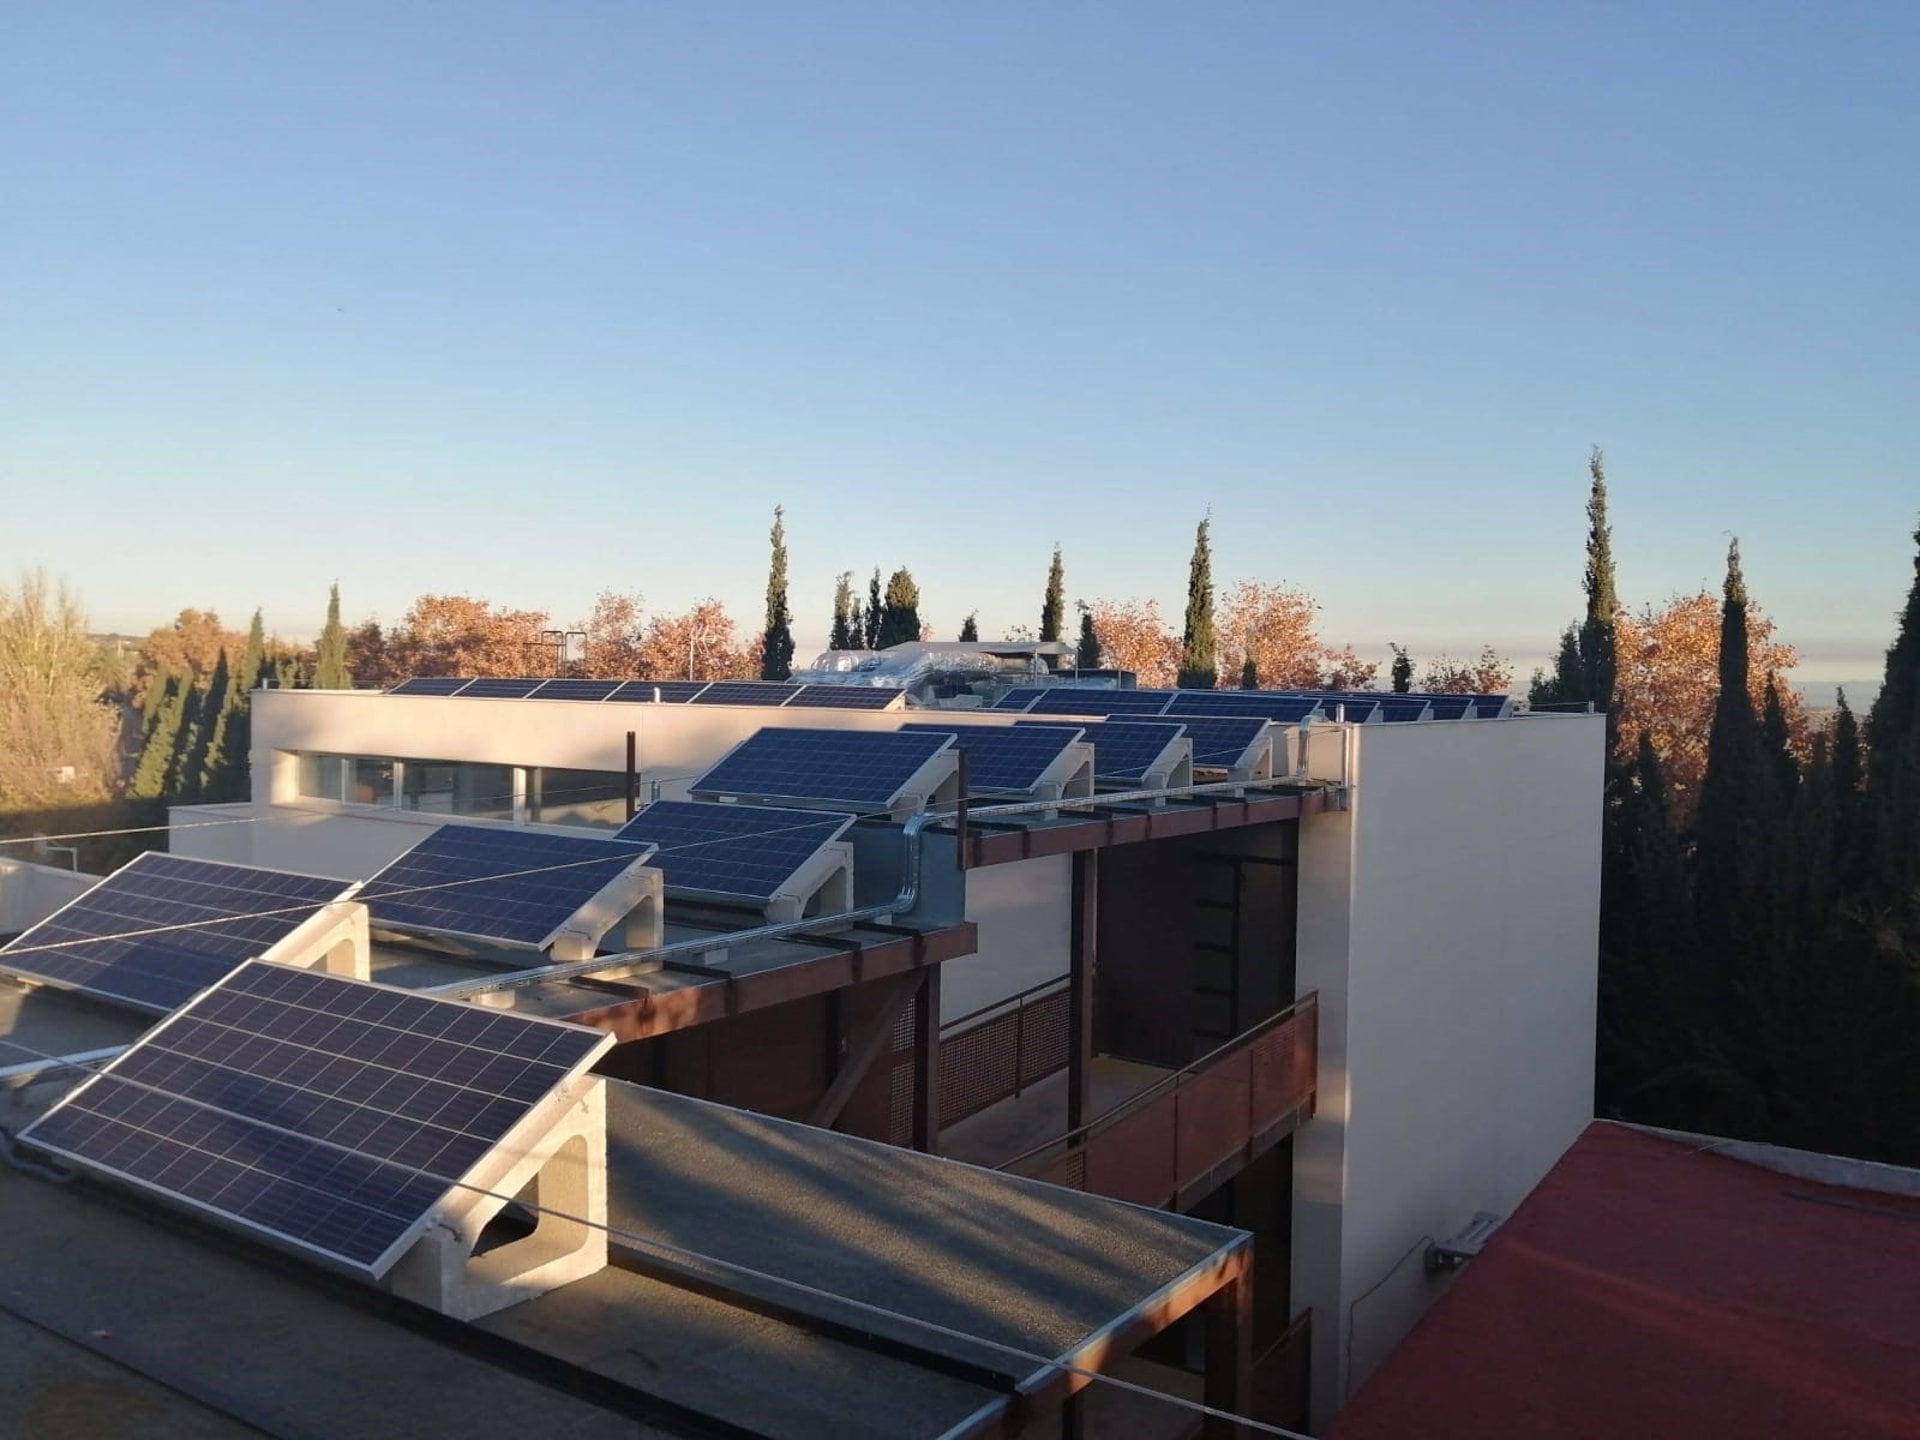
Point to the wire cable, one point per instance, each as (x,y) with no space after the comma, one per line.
(658,851)
(677,1252)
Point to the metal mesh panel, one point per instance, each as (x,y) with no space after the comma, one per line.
(1002,1055)
(900,1081)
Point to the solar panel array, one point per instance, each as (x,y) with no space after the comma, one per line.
(864,769)
(736,851)
(1286,707)
(515,887)
(231,913)
(327,1114)
(1221,741)
(671,692)
(1125,749)
(1006,759)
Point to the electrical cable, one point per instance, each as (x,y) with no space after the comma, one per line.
(1354,1304)
(666,1248)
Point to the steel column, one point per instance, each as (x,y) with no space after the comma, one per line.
(926,1063)
(1083,950)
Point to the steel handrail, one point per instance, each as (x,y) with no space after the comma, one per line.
(1308,1002)
(1010,1001)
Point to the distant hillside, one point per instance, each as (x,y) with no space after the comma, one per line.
(1817,695)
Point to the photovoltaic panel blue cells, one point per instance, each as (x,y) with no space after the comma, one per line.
(863,769)
(666,692)
(330,1115)
(1221,741)
(746,692)
(230,913)
(1020,697)
(1005,759)
(430,685)
(1281,709)
(1451,707)
(517,887)
(1069,700)
(1489,706)
(500,688)
(1126,750)
(738,851)
(846,697)
(576,690)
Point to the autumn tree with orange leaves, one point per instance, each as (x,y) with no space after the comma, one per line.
(1668,677)
(1134,637)
(459,635)
(1490,674)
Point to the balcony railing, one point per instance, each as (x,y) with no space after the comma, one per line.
(986,1055)
(1179,1139)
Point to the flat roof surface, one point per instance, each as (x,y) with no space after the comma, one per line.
(1651,1287)
(995,1256)
(225,1328)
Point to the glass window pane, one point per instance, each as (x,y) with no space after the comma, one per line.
(371,781)
(321,777)
(596,798)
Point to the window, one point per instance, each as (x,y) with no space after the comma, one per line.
(369,781)
(322,777)
(596,798)
(453,787)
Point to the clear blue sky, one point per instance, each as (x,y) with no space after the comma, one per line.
(531,301)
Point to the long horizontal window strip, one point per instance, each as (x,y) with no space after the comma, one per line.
(542,795)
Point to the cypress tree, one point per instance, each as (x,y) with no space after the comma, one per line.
(229,780)
(1568,683)
(776,646)
(1893,759)
(1734,794)
(1088,657)
(183,763)
(330,653)
(1249,674)
(876,612)
(1599,664)
(1777,742)
(856,627)
(207,759)
(1196,643)
(1402,670)
(970,627)
(843,613)
(1053,608)
(900,615)
(167,703)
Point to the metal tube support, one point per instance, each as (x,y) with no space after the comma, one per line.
(1229,1343)
(1083,947)
(926,1064)
(633,773)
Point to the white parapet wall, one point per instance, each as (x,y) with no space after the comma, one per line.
(1449,921)
(30,893)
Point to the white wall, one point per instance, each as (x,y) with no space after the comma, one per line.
(29,893)
(1458,1006)
(1025,914)
(676,742)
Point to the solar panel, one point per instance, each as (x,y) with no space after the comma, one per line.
(99,947)
(326,1114)
(576,690)
(1221,741)
(847,697)
(1020,697)
(1401,707)
(746,692)
(1068,700)
(1451,707)
(868,769)
(1358,708)
(667,692)
(1006,759)
(738,851)
(1126,750)
(429,685)
(1279,708)
(479,888)
(500,688)
(1489,706)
